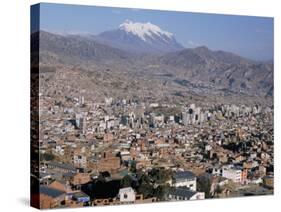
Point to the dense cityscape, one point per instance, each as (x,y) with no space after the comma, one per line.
(130,115)
(120,151)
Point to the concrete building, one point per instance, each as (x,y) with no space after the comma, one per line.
(235,174)
(80,161)
(184,194)
(127,195)
(184,179)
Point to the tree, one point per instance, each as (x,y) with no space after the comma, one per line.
(164,176)
(133,167)
(160,176)
(218,190)
(146,190)
(126,181)
(46,157)
(144,179)
(144,185)
(161,191)
(204,185)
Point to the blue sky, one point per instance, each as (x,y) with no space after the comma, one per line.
(247,36)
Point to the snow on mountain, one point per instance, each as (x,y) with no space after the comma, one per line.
(143,30)
(140,38)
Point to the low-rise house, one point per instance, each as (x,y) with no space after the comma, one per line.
(127,195)
(184,194)
(51,197)
(59,150)
(268,181)
(217,171)
(80,161)
(45,178)
(257,180)
(108,164)
(61,167)
(262,170)
(81,197)
(250,164)
(184,179)
(80,179)
(125,155)
(60,185)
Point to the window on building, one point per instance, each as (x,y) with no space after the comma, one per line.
(125,196)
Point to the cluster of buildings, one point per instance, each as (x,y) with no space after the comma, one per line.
(84,142)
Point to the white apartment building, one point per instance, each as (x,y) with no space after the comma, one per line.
(237,175)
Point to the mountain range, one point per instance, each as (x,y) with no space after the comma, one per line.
(146,49)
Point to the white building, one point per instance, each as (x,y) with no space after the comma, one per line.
(158,120)
(127,195)
(235,174)
(217,171)
(80,161)
(184,179)
(59,150)
(125,155)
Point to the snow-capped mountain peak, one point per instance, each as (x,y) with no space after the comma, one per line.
(143,30)
(140,38)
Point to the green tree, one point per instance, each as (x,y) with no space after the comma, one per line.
(144,179)
(146,190)
(46,157)
(126,181)
(218,190)
(160,176)
(145,186)
(133,167)
(161,191)
(204,185)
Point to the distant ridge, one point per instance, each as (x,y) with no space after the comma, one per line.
(201,66)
